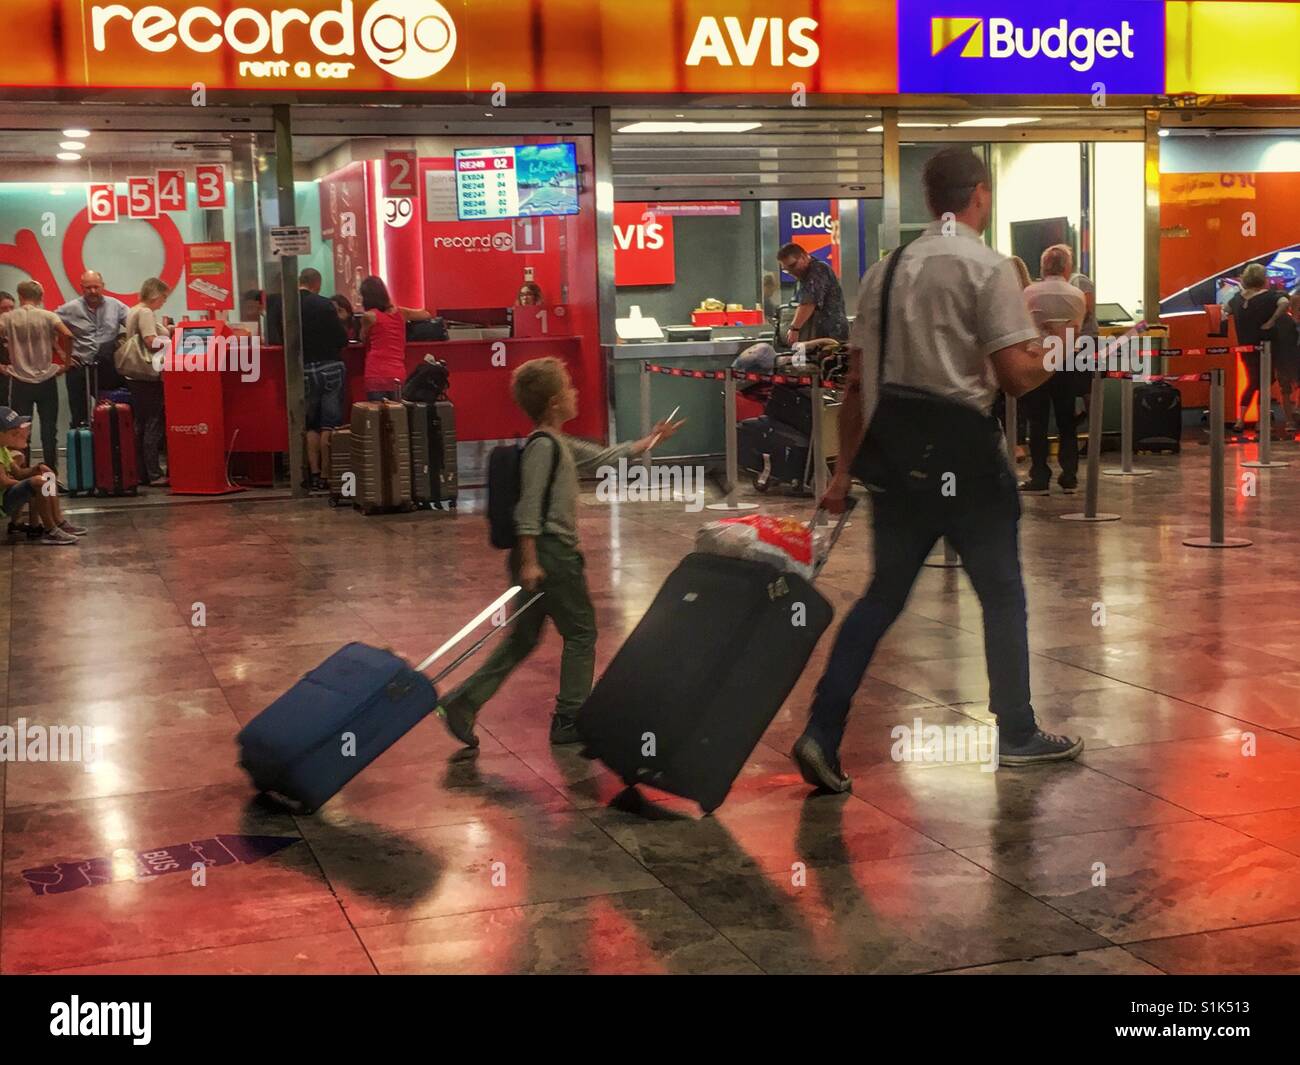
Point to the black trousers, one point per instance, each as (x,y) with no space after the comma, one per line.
(44,399)
(1055,395)
(150,427)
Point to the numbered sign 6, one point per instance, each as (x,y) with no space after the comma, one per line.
(171,190)
(399,174)
(210,185)
(141,197)
(398,212)
(101,202)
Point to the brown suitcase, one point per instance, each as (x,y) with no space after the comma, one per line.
(381,457)
(341,467)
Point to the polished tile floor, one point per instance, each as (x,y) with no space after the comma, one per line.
(1172,846)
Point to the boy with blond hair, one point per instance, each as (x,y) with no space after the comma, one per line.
(546,557)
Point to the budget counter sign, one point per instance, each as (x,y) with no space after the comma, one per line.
(953,46)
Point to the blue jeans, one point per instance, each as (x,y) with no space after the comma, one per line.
(324,387)
(984,532)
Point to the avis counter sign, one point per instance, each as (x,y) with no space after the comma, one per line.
(1018,46)
(210,185)
(101,202)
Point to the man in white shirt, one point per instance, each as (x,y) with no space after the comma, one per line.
(1058,309)
(957,330)
(95,320)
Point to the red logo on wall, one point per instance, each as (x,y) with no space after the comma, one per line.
(644,253)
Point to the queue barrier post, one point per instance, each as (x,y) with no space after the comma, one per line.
(1127,391)
(1093,487)
(818,444)
(645,409)
(730,446)
(1217,457)
(1265,401)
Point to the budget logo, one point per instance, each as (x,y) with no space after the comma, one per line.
(945,32)
(1022,46)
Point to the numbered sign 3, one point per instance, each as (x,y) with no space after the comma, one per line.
(171,190)
(141,197)
(101,202)
(399,175)
(398,212)
(210,185)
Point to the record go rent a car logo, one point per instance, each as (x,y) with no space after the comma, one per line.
(407,39)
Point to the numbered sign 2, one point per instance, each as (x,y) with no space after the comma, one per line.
(141,197)
(399,175)
(101,202)
(171,190)
(210,185)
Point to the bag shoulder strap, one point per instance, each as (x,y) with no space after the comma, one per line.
(555,466)
(886,286)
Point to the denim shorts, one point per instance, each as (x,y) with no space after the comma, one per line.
(324,381)
(17,496)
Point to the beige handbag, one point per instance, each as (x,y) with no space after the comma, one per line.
(133,359)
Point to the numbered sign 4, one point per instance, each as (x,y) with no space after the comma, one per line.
(171,190)
(399,174)
(210,185)
(101,202)
(141,197)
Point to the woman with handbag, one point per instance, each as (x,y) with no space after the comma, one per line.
(147,334)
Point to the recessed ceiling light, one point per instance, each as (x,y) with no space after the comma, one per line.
(690,127)
(876,129)
(996,122)
(76,133)
(68,157)
(1162,133)
(923,125)
(72,146)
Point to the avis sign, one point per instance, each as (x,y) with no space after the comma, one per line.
(644,253)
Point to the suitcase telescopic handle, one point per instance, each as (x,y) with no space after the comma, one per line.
(849,504)
(481,617)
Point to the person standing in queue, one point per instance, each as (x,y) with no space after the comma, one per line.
(928,366)
(95,319)
(1253,309)
(323,373)
(155,332)
(819,296)
(32,334)
(1058,310)
(383,331)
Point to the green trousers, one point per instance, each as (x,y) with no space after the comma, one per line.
(566,602)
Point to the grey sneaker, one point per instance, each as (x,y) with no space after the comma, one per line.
(564,730)
(57,538)
(72,530)
(1040,747)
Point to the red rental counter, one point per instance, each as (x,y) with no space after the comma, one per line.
(254,413)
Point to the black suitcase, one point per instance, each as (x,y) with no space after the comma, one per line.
(791,405)
(690,693)
(773,453)
(1157,417)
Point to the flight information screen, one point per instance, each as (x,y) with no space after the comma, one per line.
(520,182)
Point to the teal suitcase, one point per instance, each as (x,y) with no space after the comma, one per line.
(81,451)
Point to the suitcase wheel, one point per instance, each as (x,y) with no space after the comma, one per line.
(333,502)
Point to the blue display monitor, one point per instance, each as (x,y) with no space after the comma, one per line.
(525,181)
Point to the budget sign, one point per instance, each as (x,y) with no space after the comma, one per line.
(1014,46)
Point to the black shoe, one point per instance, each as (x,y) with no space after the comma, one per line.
(1034,488)
(817,769)
(1040,747)
(564,730)
(459,722)
(1069,485)
(319,484)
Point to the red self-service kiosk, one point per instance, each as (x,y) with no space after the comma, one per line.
(195,406)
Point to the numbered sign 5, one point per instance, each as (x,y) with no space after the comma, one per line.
(171,190)
(210,185)
(141,197)
(101,202)
(398,212)
(399,174)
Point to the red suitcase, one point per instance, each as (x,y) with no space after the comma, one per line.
(117,471)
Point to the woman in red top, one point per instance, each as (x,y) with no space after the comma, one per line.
(383,331)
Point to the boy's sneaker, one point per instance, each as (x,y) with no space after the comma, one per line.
(459,722)
(1040,747)
(57,538)
(72,530)
(564,730)
(1069,485)
(1034,488)
(817,769)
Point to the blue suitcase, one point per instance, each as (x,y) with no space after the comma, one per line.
(343,715)
(80,451)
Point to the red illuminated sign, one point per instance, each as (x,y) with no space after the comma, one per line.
(210,185)
(644,253)
(171,190)
(101,202)
(141,197)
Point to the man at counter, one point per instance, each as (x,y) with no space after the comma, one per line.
(96,320)
(818,293)
(323,338)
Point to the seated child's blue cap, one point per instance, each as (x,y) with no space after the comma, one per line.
(11,419)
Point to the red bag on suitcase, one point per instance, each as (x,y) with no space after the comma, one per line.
(117,471)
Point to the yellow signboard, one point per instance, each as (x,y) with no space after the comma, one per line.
(1215,48)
